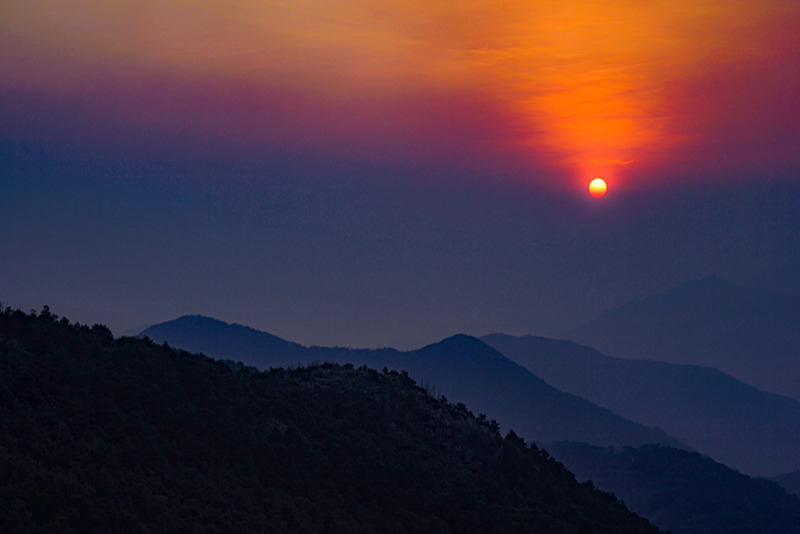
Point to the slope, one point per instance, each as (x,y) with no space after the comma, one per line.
(789,481)
(196,333)
(462,368)
(738,425)
(748,332)
(683,491)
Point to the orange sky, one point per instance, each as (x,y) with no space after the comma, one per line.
(628,90)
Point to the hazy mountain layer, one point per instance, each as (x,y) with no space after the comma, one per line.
(748,332)
(683,491)
(105,435)
(737,424)
(462,368)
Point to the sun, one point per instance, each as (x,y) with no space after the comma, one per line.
(598,188)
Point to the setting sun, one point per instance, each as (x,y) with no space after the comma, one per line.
(597,188)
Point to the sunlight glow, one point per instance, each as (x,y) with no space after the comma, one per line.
(582,87)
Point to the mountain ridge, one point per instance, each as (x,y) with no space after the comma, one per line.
(735,423)
(461,367)
(749,332)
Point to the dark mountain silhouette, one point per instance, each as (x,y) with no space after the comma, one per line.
(462,368)
(751,333)
(737,424)
(789,481)
(684,491)
(122,435)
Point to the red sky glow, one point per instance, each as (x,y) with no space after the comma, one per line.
(626,90)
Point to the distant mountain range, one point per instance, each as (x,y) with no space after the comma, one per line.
(737,424)
(462,368)
(683,491)
(749,332)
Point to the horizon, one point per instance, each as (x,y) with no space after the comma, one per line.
(403,346)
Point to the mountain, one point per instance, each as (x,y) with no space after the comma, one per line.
(196,333)
(790,482)
(736,424)
(683,491)
(462,368)
(749,332)
(122,435)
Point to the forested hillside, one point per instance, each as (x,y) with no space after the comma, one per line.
(123,435)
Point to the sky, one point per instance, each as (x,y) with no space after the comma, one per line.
(390,173)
